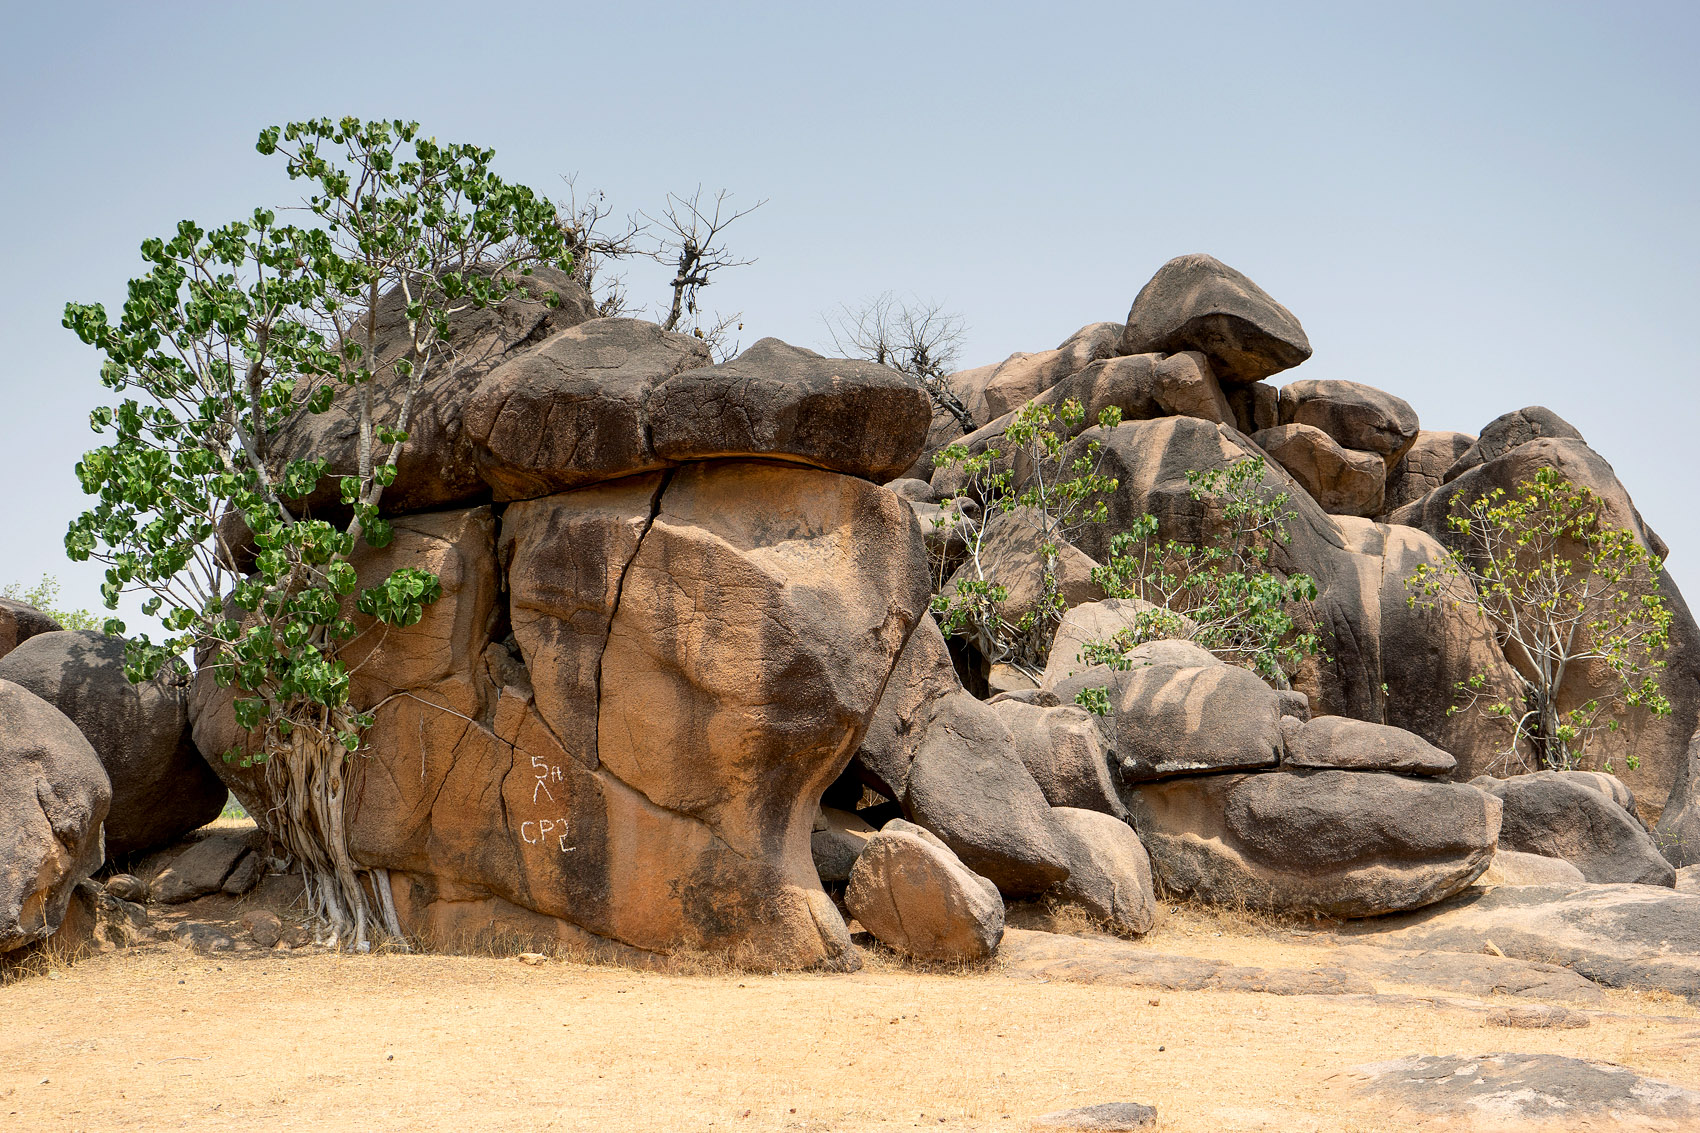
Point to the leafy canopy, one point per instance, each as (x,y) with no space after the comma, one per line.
(235,331)
(1563,589)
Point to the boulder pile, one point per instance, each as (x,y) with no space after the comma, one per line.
(682,689)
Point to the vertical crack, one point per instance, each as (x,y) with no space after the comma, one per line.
(620,592)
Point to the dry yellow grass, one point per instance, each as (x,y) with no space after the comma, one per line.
(161,1038)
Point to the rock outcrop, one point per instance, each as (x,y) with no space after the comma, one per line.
(20,622)
(1548,813)
(1199,303)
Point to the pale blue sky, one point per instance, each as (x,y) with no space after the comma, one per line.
(1477,206)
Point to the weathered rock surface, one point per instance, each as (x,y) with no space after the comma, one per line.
(1063,749)
(97,921)
(1356,745)
(20,622)
(161,787)
(1515,867)
(1179,710)
(1109,872)
(1423,467)
(1548,813)
(1688,879)
(1506,432)
(1358,417)
(1020,378)
(53,798)
(1343,481)
(917,897)
(1510,1093)
(1678,832)
(1196,302)
(1470,974)
(1056,957)
(777,400)
(836,841)
(1616,935)
(1340,843)
(922,675)
(967,784)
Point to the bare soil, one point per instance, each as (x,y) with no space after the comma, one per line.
(159,1037)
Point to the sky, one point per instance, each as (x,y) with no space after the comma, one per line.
(1475,206)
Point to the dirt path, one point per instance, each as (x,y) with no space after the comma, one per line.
(160,1038)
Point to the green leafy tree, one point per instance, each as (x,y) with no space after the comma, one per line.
(1563,589)
(1027,469)
(1223,594)
(44,596)
(230,332)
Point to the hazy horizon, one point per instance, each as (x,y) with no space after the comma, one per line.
(1474,208)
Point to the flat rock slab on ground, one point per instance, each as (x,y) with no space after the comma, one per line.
(1106,1117)
(1510,1092)
(1479,975)
(1026,954)
(202,868)
(1633,936)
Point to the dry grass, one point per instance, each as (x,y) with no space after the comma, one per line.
(158,1037)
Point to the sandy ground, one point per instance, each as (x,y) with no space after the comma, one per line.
(157,1037)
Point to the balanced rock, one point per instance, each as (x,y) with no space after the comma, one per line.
(1343,481)
(1178,710)
(20,622)
(1198,303)
(161,787)
(917,897)
(53,798)
(1546,813)
(1338,843)
(1356,745)
(1358,417)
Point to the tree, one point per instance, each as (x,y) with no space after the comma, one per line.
(1222,595)
(231,331)
(691,232)
(919,338)
(1027,470)
(44,596)
(1563,590)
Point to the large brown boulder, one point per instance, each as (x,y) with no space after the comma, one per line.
(1197,302)
(1357,745)
(1011,556)
(777,400)
(1063,748)
(161,787)
(1020,378)
(1178,710)
(53,798)
(1423,467)
(1338,843)
(1645,750)
(1343,481)
(1357,416)
(1551,814)
(1109,872)
(917,897)
(20,622)
(692,659)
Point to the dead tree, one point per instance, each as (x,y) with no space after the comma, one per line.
(594,246)
(920,338)
(690,231)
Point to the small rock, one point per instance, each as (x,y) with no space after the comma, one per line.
(246,875)
(533,958)
(127,887)
(202,937)
(264,926)
(201,869)
(1537,1016)
(1106,1117)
